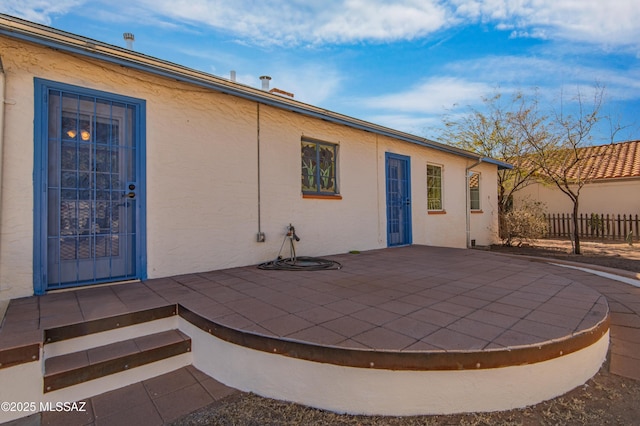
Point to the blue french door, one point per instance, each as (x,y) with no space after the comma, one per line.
(89,187)
(398,200)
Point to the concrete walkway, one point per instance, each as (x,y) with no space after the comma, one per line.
(624,308)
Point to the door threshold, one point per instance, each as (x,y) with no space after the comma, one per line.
(89,286)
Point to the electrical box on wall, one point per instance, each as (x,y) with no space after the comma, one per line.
(260,237)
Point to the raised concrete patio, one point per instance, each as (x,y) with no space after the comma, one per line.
(405,299)
(411,308)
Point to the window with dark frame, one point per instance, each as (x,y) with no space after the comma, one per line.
(319,164)
(434,187)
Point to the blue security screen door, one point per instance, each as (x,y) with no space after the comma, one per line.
(398,200)
(93,186)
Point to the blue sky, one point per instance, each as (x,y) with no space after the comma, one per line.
(402,64)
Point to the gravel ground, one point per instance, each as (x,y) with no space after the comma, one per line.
(606,399)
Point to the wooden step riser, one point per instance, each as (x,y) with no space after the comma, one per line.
(21,354)
(85,328)
(93,340)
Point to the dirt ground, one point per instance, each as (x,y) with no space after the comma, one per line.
(606,399)
(618,255)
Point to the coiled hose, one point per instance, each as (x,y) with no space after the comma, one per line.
(301,263)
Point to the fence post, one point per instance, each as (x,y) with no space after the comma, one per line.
(619,229)
(547,218)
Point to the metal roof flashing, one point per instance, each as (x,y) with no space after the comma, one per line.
(71,43)
(501,164)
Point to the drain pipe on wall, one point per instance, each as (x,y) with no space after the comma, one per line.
(260,237)
(468,200)
(2,94)
(3,306)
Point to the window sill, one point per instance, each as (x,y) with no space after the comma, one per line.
(436,212)
(322,197)
(476,211)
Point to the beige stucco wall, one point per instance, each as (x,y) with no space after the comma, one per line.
(603,197)
(202,178)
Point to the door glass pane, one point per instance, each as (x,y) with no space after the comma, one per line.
(91,224)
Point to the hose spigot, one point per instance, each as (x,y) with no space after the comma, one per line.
(291,233)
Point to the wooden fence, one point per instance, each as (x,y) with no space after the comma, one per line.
(613,227)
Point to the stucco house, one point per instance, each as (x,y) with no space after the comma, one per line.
(613,183)
(118,166)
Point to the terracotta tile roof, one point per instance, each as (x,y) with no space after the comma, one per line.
(474,180)
(619,160)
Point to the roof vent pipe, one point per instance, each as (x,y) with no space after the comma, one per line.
(232,76)
(265,82)
(129,38)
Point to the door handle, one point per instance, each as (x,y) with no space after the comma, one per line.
(131,195)
(408,202)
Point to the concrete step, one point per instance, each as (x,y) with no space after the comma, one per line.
(69,369)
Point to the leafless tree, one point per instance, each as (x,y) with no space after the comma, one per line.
(561,159)
(502,130)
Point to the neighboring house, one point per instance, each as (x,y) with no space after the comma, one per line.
(119,166)
(613,183)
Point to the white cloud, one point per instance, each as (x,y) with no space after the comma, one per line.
(548,75)
(312,83)
(301,22)
(413,124)
(432,96)
(368,20)
(288,22)
(38,10)
(609,23)
(298,22)
(464,83)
